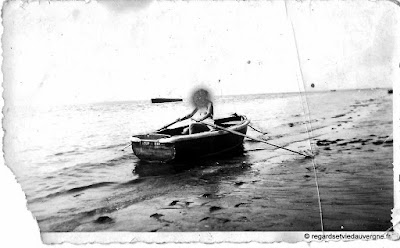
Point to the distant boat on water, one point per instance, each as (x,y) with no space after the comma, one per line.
(333,90)
(162,100)
(390,91)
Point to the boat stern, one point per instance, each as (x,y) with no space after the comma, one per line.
(149,148)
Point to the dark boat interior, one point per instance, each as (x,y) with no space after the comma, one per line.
(223,122)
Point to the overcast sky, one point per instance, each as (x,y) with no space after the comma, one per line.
(73,52)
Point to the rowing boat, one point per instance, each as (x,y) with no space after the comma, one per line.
(171,145)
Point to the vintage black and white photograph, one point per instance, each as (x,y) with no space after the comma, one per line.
(203,116)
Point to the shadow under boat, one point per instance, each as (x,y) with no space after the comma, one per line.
(232,158)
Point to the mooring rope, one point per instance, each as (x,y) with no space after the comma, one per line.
(307,113)
(255,129)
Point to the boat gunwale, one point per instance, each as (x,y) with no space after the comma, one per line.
(179,138)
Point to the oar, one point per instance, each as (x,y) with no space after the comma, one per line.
(256,139)
(166,126)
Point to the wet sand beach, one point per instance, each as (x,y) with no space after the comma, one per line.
(262,189)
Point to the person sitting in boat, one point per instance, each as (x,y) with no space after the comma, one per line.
(204,110)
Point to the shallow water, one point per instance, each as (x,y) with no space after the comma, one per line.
(70,165)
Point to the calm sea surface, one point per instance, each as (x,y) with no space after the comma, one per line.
(69,161)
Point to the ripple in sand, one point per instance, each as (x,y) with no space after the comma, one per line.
(214,208)
(239,204)
(156,215)
(104,220)
(205,218)
(239,183)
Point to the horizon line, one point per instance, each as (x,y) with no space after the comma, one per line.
(227,95)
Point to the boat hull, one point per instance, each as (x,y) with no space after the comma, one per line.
(188,147)
(208,147)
